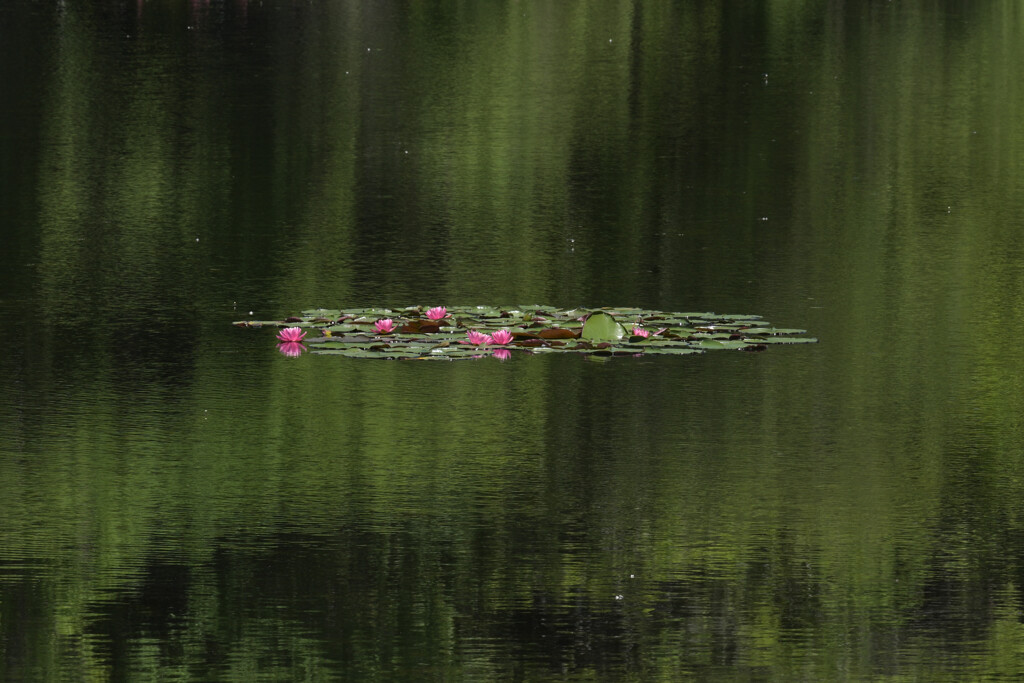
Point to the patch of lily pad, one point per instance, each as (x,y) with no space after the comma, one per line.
(449,333)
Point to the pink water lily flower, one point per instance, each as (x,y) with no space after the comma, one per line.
(501,337)
(641,332)
(479,338)
(291,334)
(437,312)
(385,325)
(291,349)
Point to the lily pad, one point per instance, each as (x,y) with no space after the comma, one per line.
(556,333)
(602,326)
(532,329)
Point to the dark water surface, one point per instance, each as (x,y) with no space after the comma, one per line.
(178,501)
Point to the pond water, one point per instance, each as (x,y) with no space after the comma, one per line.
(179,501)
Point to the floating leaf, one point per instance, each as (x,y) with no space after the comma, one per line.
(772,331)
(556,333)
(535,329)
(602,326)
(787,340)
(674,351)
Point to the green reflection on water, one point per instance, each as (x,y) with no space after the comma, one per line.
(176,498)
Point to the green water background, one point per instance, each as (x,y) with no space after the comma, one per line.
(178,501)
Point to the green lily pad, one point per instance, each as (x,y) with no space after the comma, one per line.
(774,331)
(534,329)
(671,351)
(601,326)
(786,340)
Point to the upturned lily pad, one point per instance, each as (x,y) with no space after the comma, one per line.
(602,326)
(499,332)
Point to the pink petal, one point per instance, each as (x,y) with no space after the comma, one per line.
(291,334)
(501,337)
(479,338)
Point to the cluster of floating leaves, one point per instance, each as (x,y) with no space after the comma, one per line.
(419,333)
